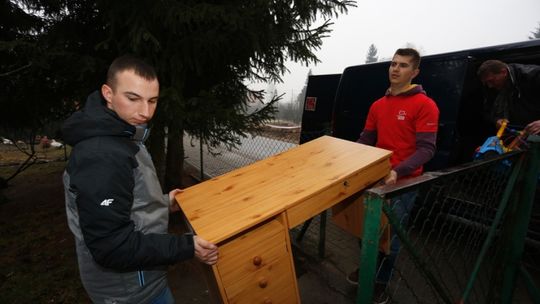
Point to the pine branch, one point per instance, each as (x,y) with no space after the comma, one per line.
(16,70)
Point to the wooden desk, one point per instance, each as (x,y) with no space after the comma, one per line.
(247,212)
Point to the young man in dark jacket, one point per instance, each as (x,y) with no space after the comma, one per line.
(518,93)
(114,203)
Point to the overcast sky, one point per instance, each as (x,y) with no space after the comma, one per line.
(433,26)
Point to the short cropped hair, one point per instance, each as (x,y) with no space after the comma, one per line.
(410,52)
(131,63)
(490,67)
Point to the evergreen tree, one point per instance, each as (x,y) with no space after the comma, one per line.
(372,54)
(535,33)
(38,84)
(204,52)
(44,67)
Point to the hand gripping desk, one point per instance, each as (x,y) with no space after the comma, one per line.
(247,212)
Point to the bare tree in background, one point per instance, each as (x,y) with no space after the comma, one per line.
(535,33)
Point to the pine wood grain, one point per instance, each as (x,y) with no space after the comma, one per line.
(221,207)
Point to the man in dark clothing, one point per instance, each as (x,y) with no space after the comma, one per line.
(114,203)
(518,93)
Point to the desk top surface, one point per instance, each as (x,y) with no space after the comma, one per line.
(225,205)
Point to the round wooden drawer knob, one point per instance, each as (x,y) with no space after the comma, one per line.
(257,261)
(267,301)
(263,283)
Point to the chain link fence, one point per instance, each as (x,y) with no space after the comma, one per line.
(270,141)
(460,240)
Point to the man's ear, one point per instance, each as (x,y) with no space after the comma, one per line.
(415,73)
(107,93)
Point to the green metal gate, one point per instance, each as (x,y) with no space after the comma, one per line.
(464,238)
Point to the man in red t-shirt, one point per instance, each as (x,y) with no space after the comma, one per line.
(404,121)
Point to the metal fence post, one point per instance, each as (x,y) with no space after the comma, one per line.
(519,216)
(370,247)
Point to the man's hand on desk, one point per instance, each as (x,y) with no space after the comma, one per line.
(391,178)
(205,251)
(173,205)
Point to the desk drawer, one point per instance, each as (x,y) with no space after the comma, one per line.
(256,267)
(337,192)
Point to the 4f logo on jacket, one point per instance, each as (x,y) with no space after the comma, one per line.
(107,202)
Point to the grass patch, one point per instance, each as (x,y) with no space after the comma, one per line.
(38,262)
(36,169)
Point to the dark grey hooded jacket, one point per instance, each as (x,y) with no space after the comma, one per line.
(116,208)
(519,101)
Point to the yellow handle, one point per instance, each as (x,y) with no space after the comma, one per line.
(502,128)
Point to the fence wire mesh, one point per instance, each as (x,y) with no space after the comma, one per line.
(446,226)
(219,160)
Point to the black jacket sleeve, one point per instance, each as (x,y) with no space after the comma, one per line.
(104,185)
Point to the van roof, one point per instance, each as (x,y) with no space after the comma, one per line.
(475,52)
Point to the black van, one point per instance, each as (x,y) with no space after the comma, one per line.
(318,106)
(450,79)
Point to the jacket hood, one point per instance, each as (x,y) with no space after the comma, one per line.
(95,119)
(413,89)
